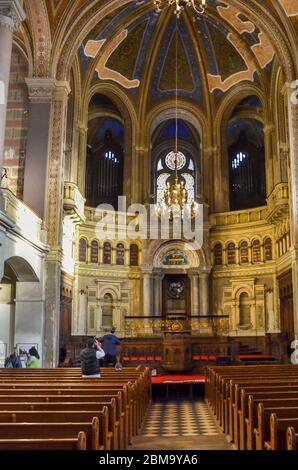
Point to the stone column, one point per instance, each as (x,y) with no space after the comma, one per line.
(11,16)
(195,294)
(82,149)
(147,304)
(158,294)
(292,92)
(269,164)
(204,294)
(54,222)
(40,97)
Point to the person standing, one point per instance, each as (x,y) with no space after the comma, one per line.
(110,343)
(33,358)
(90,357)
(13,362)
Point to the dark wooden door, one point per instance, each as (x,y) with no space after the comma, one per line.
(286,305)
(176,295)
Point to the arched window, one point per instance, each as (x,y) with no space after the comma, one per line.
(247,165)
(134,255)
(231,253)
(107,253)
(120,254)
(83,250)
(94,252)
(268,249)
(218,254)
(165,170)
(105,154)
(244,253)
(107,312)
(244,310)
(256,251)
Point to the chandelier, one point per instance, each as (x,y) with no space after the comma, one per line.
(199,6)
(175,200)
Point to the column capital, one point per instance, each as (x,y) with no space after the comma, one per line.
(291,89)
(269,128)
(12,14)
(204,274)
(82,128)
(40,89)
(43,90)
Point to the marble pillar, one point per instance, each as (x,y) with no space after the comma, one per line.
(195,294)
(11,16)
(40,98)
(54,222)
(82,149)
(292,98)
(204,294)
(147,304)
(158,294)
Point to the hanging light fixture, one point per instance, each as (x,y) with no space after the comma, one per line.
(175,201)
(199,6)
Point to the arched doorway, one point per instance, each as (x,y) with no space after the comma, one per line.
(179,276)
(18,325)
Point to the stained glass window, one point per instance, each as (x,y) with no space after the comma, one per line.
(134,255)
(94,252)
(165,169)
(120,254)
(268,249)
(107,253)
(83,250)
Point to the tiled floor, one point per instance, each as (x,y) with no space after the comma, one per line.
(185,418)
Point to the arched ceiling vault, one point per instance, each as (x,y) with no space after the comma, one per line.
(117,42)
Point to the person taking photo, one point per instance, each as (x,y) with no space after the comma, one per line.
(90,357)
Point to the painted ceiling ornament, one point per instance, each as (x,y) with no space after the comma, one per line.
(199,6)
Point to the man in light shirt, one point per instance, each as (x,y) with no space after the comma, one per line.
(90,357)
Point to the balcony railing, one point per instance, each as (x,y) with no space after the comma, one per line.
(211,325)
(24,220)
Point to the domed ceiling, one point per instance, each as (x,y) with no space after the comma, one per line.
(135,48)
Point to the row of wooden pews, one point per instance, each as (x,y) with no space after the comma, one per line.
(255,406)
(52,409)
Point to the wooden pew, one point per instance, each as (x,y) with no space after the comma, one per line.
(131,389)
(70,406)
(292,439)
(278,430)
(78,443)
(232,403)
(128,402)
(53,431)
(262,431)
(85,417)
(247,417)
(124,404)
(251,421)
(228,389)
(96,399)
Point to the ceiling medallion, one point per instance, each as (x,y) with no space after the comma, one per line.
(199,6)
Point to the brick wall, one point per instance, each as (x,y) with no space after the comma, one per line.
(16,123)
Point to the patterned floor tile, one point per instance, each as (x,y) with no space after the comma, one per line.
(184,418)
